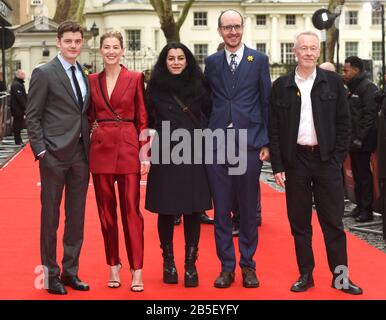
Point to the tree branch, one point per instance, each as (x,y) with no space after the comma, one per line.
(184,13)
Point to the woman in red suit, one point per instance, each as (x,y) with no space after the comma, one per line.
(118,114)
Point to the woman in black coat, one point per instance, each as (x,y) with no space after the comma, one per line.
(174,188)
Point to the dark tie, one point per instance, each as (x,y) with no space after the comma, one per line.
(77,88)
(233,63)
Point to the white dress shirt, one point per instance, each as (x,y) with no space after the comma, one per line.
(306,134)
(239,55)
(79,76)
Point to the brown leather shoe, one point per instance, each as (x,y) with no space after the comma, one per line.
(224,280)
(249,278)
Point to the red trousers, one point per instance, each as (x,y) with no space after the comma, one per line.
(132,220)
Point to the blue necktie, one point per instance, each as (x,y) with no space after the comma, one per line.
(233,63)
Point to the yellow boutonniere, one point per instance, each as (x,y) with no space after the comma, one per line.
(86,72)
(250,58)
(298,93)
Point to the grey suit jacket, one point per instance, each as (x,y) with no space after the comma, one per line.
(54,119)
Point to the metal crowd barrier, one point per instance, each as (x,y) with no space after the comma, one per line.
(5,116)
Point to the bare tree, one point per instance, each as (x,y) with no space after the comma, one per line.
(170,27)
(69,10)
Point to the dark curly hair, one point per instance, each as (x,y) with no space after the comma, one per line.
(187,84)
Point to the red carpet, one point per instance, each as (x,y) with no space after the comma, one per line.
(276,266)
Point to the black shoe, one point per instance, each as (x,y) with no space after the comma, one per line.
(55,286)
(170,275)
(204,218)
(259,221)
(224,280)
(191,275)
(177,220)
(249,278)
(365,217)
(305,282)
(75,283)
(355,212)
(346,286)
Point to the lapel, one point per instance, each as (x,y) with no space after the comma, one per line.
(85,79)
(62,75)
(244,67)
(221,62)
(121,86)
(102,90)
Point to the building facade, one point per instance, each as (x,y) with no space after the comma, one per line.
(270,27)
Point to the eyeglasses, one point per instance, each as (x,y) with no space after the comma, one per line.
(229,28)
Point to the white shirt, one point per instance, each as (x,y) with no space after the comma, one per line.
(79,76)
(307,134)
(239,55)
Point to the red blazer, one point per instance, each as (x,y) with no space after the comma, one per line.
(114,147)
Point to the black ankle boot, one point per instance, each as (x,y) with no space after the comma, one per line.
(170,272)
(191,276)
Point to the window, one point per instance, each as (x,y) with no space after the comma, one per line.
(262,47)
(376,17)
(377,50)
(261,19)
(133,40)
(351,49)
(351,17)
(200,52)
(287,55)
(290,20)
(200,18)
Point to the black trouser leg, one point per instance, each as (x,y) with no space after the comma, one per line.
(17,126)
(363,178)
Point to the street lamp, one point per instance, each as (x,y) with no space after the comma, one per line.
(323,20)
(95,32)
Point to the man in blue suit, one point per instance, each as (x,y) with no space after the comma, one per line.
(240,83)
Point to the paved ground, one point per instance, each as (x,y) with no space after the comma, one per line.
(373,239)
(8,148)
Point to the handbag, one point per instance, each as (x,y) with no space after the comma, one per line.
(185,109)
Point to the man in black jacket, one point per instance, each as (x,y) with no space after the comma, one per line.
(363,109)
(18,104)
(309,131)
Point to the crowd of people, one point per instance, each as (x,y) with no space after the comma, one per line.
(79,124)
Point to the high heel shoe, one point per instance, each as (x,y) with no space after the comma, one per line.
(114,284)
(136,287)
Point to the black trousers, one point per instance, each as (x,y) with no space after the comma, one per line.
(70,178)
(17,126)
(309,178)
(363,178)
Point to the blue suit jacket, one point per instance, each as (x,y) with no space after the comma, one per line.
(247,105)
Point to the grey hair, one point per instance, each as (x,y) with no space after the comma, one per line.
(306,33)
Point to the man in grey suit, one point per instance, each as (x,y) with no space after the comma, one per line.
(58,131)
